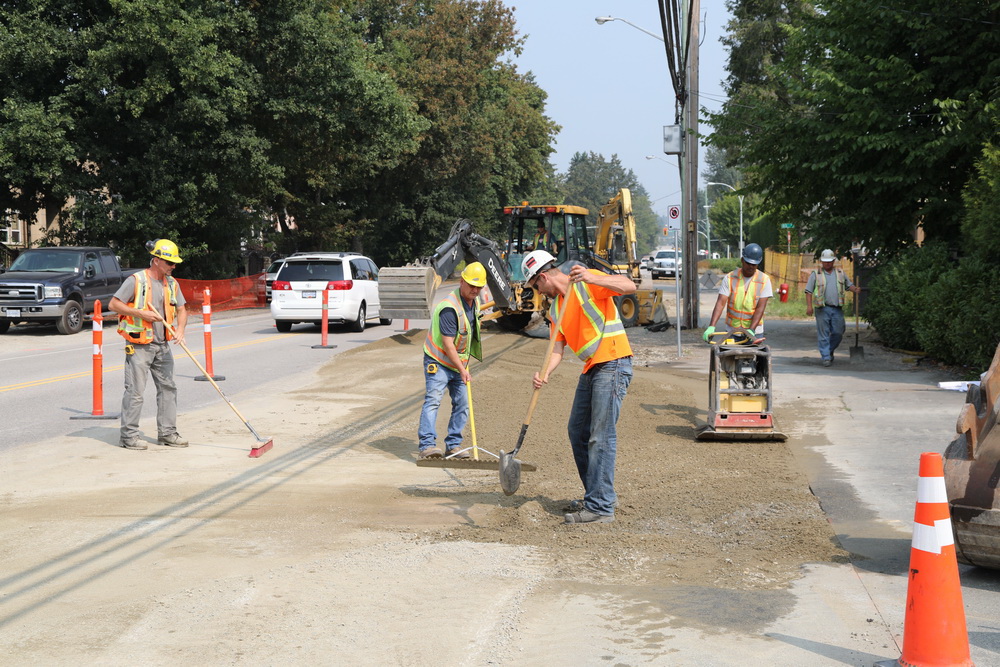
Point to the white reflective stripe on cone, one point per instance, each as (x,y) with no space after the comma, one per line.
(932,538)
(931,490)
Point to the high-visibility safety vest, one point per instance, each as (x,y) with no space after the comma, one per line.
(137,330)
(467,341)
(591,327)
(542,240)
(819,291)
(743,297)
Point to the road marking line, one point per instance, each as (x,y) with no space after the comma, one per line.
(110,369)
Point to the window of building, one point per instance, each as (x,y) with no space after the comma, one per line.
(10,229)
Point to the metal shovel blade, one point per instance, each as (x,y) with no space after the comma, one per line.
(510,473)
(857,352)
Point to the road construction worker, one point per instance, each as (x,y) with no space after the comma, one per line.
(829,286)
(593,331)
(453,338)
(144,302)
(743,294)
(542,240)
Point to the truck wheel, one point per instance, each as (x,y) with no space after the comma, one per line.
(514,321)
(359,325)
(283,327)
(628,310)
(4,325)
(71,321)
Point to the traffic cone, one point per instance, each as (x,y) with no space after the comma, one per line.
(934,632)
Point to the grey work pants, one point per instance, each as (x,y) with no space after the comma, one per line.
(154,359)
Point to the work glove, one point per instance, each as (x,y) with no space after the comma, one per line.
(708,333)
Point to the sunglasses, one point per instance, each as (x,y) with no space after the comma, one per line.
(168,262)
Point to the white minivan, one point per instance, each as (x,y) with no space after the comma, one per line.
(351,281)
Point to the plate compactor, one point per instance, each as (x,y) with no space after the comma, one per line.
(739,390)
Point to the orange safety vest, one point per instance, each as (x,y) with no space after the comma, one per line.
(137,330)
(743,298)
(591,327)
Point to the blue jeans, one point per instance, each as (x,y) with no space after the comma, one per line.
(593,430)
(435,384)
(830,329)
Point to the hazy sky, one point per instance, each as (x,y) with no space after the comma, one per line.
(608,84)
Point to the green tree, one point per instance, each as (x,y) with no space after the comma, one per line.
(866,133)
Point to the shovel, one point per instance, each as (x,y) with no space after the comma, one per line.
(857,352)
(510,467)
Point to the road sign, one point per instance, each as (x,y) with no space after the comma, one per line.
(674,212)
(788,225)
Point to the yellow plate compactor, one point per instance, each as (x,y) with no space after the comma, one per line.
(739,391)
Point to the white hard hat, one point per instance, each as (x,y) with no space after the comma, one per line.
(827,256)
(534,262)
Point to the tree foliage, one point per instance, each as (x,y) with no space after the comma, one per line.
(363,124)
(865,120)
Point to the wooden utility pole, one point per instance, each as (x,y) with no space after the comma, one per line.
(689,165)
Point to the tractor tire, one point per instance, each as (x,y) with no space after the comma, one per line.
(514,321)
(628,309)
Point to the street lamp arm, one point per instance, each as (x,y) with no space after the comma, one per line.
(725,184)
(601,20)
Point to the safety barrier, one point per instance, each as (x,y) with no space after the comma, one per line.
(97,411)
(206,313)
(229,294)
(324,325)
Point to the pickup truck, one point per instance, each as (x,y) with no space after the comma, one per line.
(58,285)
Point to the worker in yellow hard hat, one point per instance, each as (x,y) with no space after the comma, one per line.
(452,339)
(146,300)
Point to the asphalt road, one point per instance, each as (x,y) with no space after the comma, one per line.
(46,378)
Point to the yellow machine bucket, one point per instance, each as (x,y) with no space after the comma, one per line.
(739,393)
(972,473)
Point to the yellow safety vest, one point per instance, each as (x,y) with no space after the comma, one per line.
(137,330)
(467,340)
(743,297)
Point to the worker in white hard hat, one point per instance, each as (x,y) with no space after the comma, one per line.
(825,292)
(592,329)
(452,340)
(743,294)
(146,300)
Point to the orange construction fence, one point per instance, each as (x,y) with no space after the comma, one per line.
(229,294)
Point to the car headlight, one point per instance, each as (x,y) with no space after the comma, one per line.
(53,292)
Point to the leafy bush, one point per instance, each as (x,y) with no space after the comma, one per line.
(724,265)
(962,323)
(896,303)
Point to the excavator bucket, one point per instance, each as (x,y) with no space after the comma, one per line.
(407,291)
(739,395)
(972,473)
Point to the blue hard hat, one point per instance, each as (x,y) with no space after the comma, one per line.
(753,254)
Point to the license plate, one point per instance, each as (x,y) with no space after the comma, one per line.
(309,295)
(13,312)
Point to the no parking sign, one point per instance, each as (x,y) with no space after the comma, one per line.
(674,212)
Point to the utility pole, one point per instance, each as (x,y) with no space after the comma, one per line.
(689,169)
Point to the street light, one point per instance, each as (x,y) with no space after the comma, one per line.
(741,211)
(601,20)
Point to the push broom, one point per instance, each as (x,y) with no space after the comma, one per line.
(263,444)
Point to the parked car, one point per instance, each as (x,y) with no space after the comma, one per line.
(666,263)
(350,278)
(269,275)
(59,285)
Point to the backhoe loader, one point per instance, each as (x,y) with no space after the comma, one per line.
(408,292)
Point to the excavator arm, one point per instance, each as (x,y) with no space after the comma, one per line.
(408,291)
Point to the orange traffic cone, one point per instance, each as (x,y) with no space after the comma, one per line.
(934,633)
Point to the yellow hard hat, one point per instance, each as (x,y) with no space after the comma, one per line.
(475,274)
(166,249)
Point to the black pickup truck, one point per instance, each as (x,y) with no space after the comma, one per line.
(58,285)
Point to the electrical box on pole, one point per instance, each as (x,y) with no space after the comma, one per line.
(673,140)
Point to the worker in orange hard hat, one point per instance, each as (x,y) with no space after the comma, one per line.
(452,339)
(145,302)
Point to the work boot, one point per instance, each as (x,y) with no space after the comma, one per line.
(132,444)
(431,452)
(827,362)
(586,516)
(172,440)
(573,506)
(459,453)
